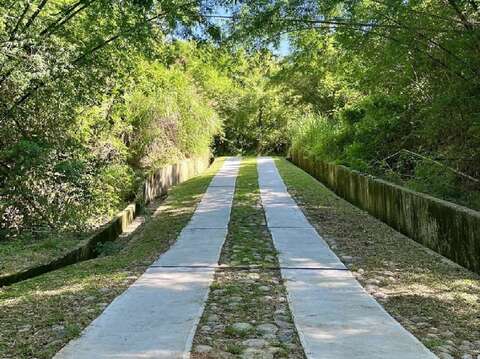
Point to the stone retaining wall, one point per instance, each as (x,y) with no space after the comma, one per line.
(154,186)
(447,228)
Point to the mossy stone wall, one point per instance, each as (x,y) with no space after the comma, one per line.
(447,228)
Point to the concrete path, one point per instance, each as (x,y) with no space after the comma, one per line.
(157,316)
(335,317)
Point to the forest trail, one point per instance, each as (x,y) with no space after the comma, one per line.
(334,316)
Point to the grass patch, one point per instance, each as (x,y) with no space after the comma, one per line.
(40,315)
(26,252)
(234,348)
(438,301)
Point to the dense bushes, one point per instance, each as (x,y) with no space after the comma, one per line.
(68,143)
(356,135)
(157,116)
(254,109)
(168,119)
(380,78)
(374,136)
(161,106)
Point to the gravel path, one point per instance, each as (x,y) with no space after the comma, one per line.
(300,302)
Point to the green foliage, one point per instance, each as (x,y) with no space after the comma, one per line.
(356,135)
(114,184)
(68,71)
(315,134)
(240,85)
(406,82)
(167,118)
(432,178)
(94,94)
(158,117)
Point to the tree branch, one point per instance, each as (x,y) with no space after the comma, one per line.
(20,20)
(339,22)
(35,14)
(441,47)
(67,16)
(460,15)
(398,41)
(78,61)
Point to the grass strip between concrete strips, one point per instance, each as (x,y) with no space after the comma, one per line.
(247,314)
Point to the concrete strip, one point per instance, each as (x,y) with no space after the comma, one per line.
(207,244)
(214,210)
(309,249)
(281,211)
(227,179)
(335,317)
(152,319)
(157,316)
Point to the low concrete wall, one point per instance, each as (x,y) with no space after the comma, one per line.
(155,185)
(447,228)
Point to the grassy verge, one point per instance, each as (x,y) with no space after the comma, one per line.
(23,253)
(247,314)
(40,315)
(438,301)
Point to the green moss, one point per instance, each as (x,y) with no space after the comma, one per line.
(234,348)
